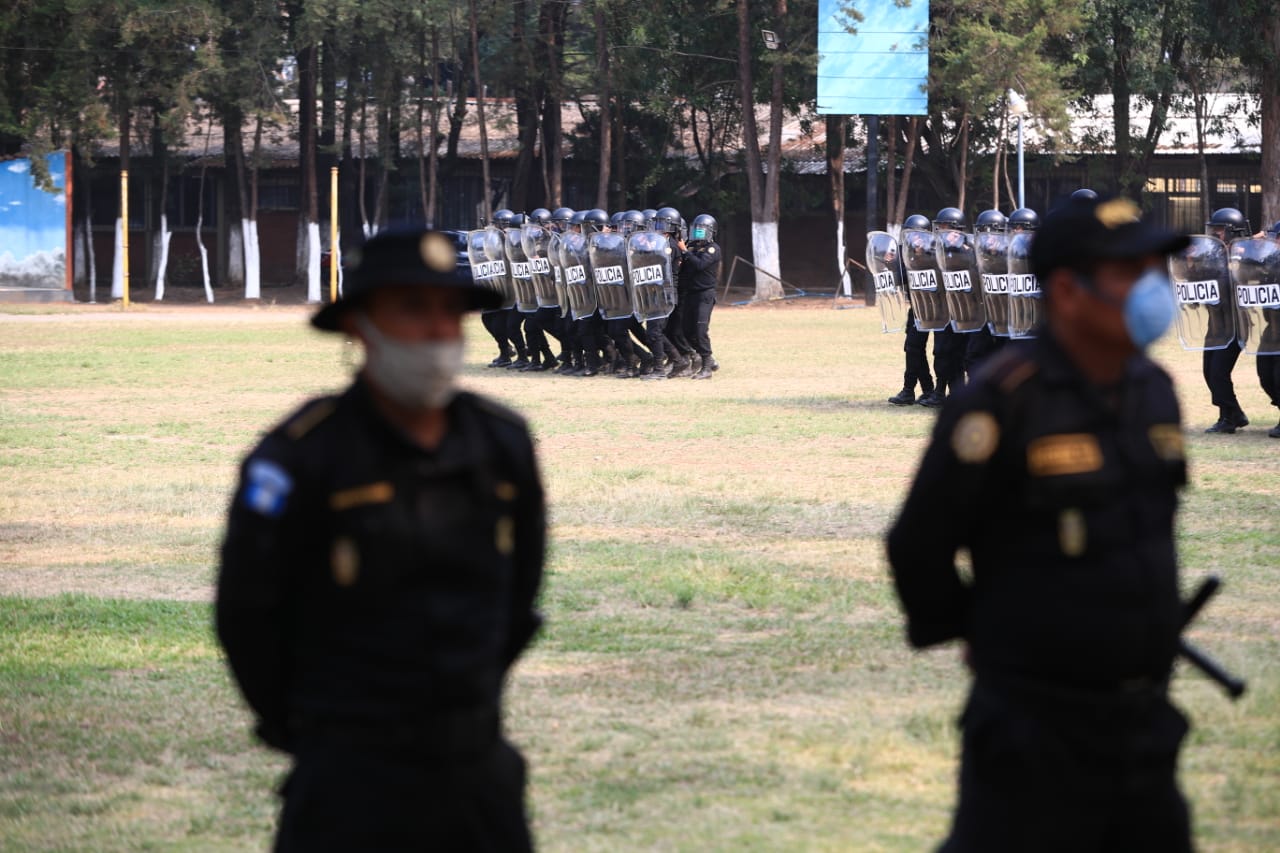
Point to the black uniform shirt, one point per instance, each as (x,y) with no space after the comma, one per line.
(369,582)
(1064,494)
(699,267)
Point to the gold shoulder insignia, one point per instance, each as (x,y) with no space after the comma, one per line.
(975,437)
(1167,441)
(310,417)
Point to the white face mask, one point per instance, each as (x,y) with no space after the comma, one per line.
(416,375)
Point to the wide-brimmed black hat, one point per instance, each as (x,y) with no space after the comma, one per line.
(1083,231)
(402,255)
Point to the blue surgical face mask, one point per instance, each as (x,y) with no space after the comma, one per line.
(1149,308)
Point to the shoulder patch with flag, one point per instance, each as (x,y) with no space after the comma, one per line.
(267,487)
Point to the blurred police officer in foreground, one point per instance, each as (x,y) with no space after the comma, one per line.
(1058,468)
(378,575)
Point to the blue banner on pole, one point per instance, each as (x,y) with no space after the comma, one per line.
(878,65)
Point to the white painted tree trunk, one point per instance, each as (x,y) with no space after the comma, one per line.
(235,257)
(78,271)
(204,263)
(313,261)
(162,251)
(91,259)
(846,285)
(252,263)
(117,265)
(764,254)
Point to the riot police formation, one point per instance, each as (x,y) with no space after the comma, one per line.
(949,342)
(608,289)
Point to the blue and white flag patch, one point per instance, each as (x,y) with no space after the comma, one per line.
(267,488)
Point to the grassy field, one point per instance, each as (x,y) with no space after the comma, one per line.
(723,666)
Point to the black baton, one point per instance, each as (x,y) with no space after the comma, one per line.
(1233,686)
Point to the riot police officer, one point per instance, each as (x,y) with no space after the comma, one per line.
(699,272)
(383,552)
(948,345)
(1072,616)
(1268,366)
(1226,224)
(659,332)
(980,344)
(915,342)
(496,320)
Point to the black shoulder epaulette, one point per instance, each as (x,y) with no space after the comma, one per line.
(494,408)
(310,416)
(1008,369)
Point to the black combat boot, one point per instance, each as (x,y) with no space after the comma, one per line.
(704,371)
(682,367)
(1274,432)
(905,397)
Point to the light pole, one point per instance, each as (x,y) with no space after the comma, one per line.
(1018,106)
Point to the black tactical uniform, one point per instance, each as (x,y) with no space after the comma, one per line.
(373,594)
(1064,495)
(699,272)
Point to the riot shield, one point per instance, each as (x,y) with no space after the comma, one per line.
(1206,316)
(494,268)
(1025,309)
(652,275)
(959,266)
(991,250)
(536,240)
(521,274)
(1255,271)
(924,280)
(608,253)
(885,267)
(579,286)
(555,254)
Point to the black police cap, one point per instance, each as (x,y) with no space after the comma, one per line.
(1084,231)
(398,256)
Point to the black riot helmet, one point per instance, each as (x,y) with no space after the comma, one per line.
(667,220)
(1084,193)
(916,222)
(649,215)
(540,216)
(703,228)
(949,219)
(594,220)
(1024,219)
(577,219)
(1227,224)
(516,221)
(502,218)
(990,220)
(632,221)
(562,214)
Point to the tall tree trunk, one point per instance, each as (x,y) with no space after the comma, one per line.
(117,270)
(237,199)
(484,131)
(554,14)
(908,164)
(763,189)
(836,126)
(160,244)
(603,83)
(526,107)
(252,253)
(1122,97)
(307,145)
(891,174)
(1269,80)
(964,158)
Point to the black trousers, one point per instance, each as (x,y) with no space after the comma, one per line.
(515,334)
(696,319)
(535,335)
(1051,779)
(675,325)
(979,345)
(915,345)
(655,332)
(343,798)
(495,323)
(1217,365)
(948,358)
(1269,376)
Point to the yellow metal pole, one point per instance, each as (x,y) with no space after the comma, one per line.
(124,231)
(333,234)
